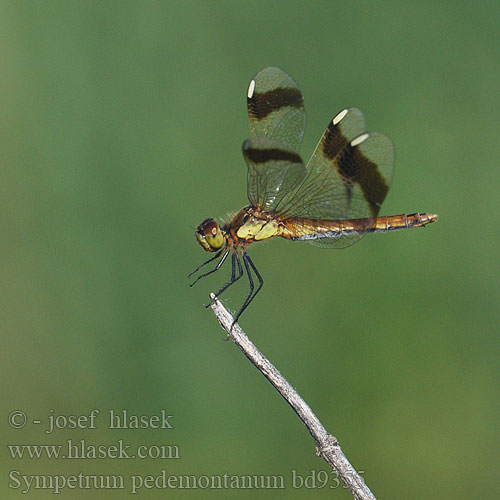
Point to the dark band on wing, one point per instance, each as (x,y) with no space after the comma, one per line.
(256,155)
(333,141)
(355,167)
(262,104)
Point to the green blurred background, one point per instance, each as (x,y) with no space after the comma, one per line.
(121,126)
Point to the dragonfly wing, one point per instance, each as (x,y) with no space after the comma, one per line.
(347,177)
(277,122)
(274,171)
(276,108)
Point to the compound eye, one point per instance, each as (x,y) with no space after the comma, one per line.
(209,235)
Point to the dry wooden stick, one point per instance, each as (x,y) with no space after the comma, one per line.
(327,446)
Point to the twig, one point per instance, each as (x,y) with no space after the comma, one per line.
(327,446)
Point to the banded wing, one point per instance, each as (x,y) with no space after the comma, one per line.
(347,177)
(273,172)
(276,108)
(277,122)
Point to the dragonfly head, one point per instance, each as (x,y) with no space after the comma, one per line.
(209,235)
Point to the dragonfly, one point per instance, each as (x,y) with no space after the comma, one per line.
(331,202)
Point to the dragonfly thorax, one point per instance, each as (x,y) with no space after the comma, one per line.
(209,235)
(255,228)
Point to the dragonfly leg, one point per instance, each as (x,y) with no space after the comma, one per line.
(216,268)
(203,264)
(235,262)
(247,261)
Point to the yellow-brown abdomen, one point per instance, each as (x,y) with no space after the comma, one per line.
(300,229)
